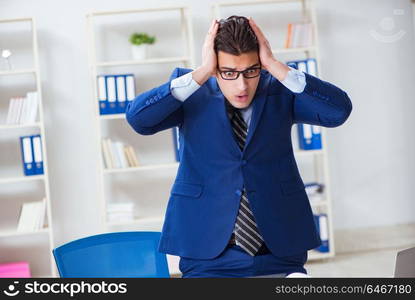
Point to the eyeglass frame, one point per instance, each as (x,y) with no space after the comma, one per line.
(239,72)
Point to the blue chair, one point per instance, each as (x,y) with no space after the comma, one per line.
(116,255)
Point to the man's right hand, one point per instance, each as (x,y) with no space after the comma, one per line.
(209,59)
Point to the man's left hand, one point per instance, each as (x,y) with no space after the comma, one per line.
(265,53)
(268,62)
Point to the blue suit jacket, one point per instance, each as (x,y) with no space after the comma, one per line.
(204,198)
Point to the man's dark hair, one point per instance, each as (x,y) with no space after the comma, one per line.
(235,36)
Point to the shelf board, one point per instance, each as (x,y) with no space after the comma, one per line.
(12,233)
(241,3)
(112,116)
(308,152)
(142,168)
(132,11)
(320,203)
(142,62)
(16,20)
(293,50)
(314,255)
(140,221)
(22,178)
(17,126)
(17,72)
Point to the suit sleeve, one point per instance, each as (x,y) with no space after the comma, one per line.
(321,103)
(156,109)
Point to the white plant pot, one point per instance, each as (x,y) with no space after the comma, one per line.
(139,51)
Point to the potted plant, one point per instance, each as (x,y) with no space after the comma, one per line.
(139,42)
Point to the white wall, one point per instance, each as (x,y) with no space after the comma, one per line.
(371,156)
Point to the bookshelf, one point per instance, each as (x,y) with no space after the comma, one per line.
(158,165)
(16,188)
(313,161)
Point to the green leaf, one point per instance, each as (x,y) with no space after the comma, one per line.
(141,38)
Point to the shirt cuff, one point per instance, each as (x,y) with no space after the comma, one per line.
(184,86)
(294,81)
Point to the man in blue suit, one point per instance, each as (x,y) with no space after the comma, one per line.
(238,206)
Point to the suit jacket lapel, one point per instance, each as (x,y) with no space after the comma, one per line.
(258,106)
(226,123)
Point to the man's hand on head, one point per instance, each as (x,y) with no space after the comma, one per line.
(209,58)
(269,63)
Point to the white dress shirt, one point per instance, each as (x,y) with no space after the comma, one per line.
(184,86)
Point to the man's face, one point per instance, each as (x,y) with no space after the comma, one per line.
(241,91)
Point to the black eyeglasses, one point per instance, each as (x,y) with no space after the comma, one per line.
(233,75)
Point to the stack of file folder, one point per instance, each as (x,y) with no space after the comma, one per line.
(321,223)
(309,136)
(114,92)
(32,157)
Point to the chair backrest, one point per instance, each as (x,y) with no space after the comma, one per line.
(405,263)
(118,254)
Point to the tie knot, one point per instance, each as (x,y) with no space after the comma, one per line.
(231,110)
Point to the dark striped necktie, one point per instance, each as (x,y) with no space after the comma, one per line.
(246,231)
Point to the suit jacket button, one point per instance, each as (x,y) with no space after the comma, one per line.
(238,192)
(244,162)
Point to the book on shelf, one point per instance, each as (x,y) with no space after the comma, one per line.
(32,155)
(120,212)
(321,223)
(121,154)
(114,155)
(309,136)
(107,154)
(117,155)
(114,92)
(127,156)
(298,35)
(132,158)
(23,110)
(32,216)
(18,269)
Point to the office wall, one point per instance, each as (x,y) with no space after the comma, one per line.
(371,155)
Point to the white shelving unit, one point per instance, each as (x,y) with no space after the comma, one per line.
(152,219)
(9,236)
(319,157)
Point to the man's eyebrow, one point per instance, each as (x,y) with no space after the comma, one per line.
(234,69)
